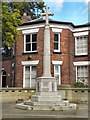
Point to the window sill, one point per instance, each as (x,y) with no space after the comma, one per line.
(80,55)
(57,52)
(29,53)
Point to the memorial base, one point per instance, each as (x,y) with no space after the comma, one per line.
(46,97)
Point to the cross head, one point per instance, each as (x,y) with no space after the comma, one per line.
(47,14)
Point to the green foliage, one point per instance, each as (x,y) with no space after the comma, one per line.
(31,8)
(80,84)
(10,20)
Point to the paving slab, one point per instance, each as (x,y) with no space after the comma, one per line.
(9,111)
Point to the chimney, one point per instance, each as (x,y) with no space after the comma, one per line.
(25,18)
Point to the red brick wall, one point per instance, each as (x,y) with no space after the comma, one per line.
(67,47)
(67,56)
(24,57)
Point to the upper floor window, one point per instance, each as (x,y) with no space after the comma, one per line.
(56,42)
(30,42)
(81,45)
(57,33)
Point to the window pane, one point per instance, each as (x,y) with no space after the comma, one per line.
(27,38)
(28,47)
(55,37)
(27,69)
(86,71)
(27,82)
(27,76)
(34,46)
(34,37)
(56,69)
(56,46)
(78,71)
(57,78)
(33,71)
(84,50)
(33,76)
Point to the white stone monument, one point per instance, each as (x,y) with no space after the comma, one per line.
(46,97)
(46,85)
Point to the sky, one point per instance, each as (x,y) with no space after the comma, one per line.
(68,11)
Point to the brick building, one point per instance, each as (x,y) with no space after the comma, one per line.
(69,50)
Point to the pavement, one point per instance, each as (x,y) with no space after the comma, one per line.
(10,112)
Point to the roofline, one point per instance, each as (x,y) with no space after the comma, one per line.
(53,21)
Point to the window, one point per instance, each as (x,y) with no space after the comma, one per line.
(81,45)
(56,42)
(30,74)
(82,74)
(57,74)
(3,79)
(30,43)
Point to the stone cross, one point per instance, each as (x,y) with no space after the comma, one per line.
(46,57)
(47,14)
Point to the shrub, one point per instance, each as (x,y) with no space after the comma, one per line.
(80,84)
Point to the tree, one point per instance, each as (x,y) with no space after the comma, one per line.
(31,8)
(11,18)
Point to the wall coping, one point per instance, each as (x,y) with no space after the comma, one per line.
(16,88)
(59,88)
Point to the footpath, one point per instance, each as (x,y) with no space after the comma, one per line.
(9,112)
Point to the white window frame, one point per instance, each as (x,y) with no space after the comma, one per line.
(58,74)
(80,63)
(76,47)
(30,42)
(57,31)
(28,63)
(58,63)
(29,74)
(76,72)
(80,34)
(58,43)
(28,32)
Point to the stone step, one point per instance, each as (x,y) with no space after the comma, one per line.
(42,108)
(47,103)
(48,107)
(37,98)
(29,102)
(70,106)
(47,93)
(22,106)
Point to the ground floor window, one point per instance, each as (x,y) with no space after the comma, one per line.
(82,74)
(3,78)
(30,74)
(57,74)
